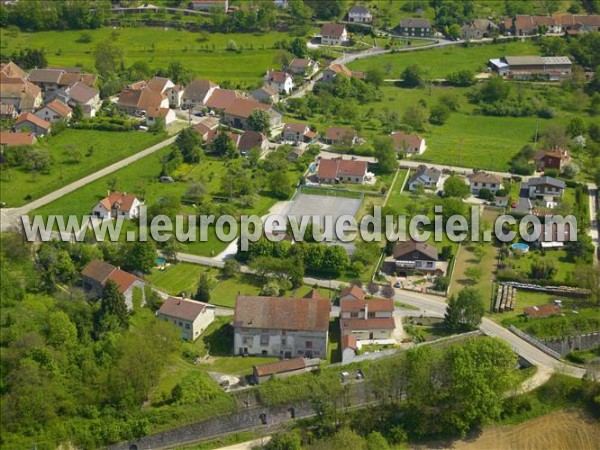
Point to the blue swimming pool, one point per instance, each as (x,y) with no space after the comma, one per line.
(160,261)
(519,247)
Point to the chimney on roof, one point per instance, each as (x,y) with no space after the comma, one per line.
(366,310)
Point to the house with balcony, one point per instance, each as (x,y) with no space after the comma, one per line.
(545,188)
(412,256)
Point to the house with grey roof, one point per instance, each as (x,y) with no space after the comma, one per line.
(415,27)
(545,188)
(360,14)
(428,177)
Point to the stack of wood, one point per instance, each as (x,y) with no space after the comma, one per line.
(506,298)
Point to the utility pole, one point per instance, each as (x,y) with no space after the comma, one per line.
(460,141)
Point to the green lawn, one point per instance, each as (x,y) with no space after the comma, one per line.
(180,277)
(204,53)
(18,186)
(440,62)
(522,263)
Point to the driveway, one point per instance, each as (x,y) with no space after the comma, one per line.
(524,205)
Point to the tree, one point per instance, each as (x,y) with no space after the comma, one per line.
(77,114)
(109,57)
(139,255)
(375,76)
(189,143)
(413,76)
(271,289)
(441,283)
(454,31)
(543,269)
(576,127)
(223,145)
(387,160)
(37,159)
(375,441)
(260,120)
(178,73)
(466,309)
(196,192)
(495,89)
(554,136)
(581,249)
(462,78)
(372,288)
(298,47)
(473,274)
(455,186)
(416,116)
(231,268)
(203,291)
(439,114)
(285,440)
(170,248)
(388,291)
(279,184)
(112,306)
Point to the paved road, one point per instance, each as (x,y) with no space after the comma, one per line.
(9,216)
(413,164)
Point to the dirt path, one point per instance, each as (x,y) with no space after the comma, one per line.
(565,430)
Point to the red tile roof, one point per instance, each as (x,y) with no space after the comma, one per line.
(333,29)
(353,290)
(333,168)
(12,70)
(277,77)
(286,365)
(373,305)
(282,313)
(28,117)
(402,139)
(341,70)
(98,270)
(295,127)
(338,133)
(198,88)
(409,247)
(243,107)
(384,323)
(16,139)
(158,112)
(180,308)
(124,200)
(349,341)
(251,139)
(315,294)
(484,177)
(221,98)
(59,107)
(123,279)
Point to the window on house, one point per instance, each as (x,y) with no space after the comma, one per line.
(371,315)
(353,314)
(247,340)
(187,326)
(264,340)
(283,341)
(309,344)
(430,264)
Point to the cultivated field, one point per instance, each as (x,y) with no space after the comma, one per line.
(565,430)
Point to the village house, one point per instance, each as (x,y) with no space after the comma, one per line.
(47,79)
(8,111)
(209,5)
(484,180)
(266,94)
(252,139)
(409,144)
(236,114)
(360,14)
(155,114)
(175,95)
(551,159)
(221,99)
(352,293)
(212,135)
(297,133)
(338,170)
(415,27)
(479,29)
(54,111)
(411,256)
(11,70)
(205,126)
(557,24)
(427,177)
(142,96)
(545,188)
(117,204)
(349,347)
(197,93)
(283,369)
(368,320)
(10,139)
(27,122)
(340,135)
(20,93)
(281,326)
(191,316)
(281,81)
(97,273)
(72,75)
(334,70)
(303,67)
(88,98)
(573,24)
(334,34)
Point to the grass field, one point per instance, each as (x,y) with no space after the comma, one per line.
(205,54)
(560,430)
(440,62)
(17,186)
(522,263)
